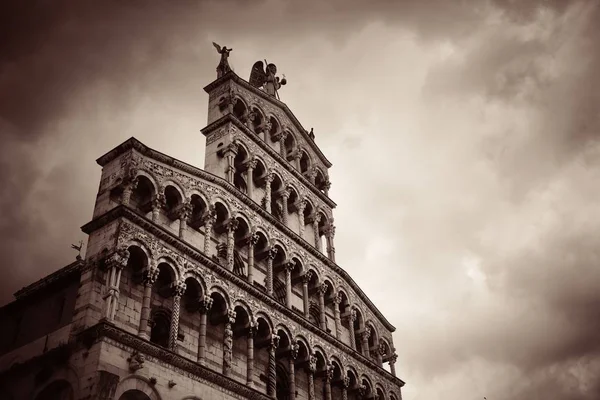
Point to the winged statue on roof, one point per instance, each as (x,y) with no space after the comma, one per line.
(266,78)
(223,66)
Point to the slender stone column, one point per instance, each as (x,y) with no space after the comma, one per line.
(228,342)
(292,372)
(352,318)
(209,220)
(297,157)
(157,203)
(252,241)
(270,258)
(289,267)
(311,175)
(326,188)
(272,377)
(305,296)
(330,233)
(380,353)
(336,313)
(345,385)
(231,228)
(365,341)
(393,359)
(312,368)
(316,221)
(282,149)
(268,182)
(230,153)
(250,176)
(285,195)
(250,356)
(205,304)
(128,190)
(150,276)
(116,262)
(179,289)
(322,290)
(186,210)
(327,381)
(301,207)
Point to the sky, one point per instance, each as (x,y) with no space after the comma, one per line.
(464,137)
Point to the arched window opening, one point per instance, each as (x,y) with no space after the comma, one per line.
(358,330)
(141,198)
(320,372)
(282,382)
(386,355)
(240,180)
(164,281)
(337,380)
(134,394)
(380,395)
(308,221)
(344,309)
(239,110)
(57,390)
(296,278)
(192,295)
(373,340)
(276,200)
(275,131)
(240,252)
(353,386)
(160,327)
(289,144)
(304,163)
(292,207)
(323,223)
(279,274)
(173,201)
(321,182)
(220,230)
(199,209)
(257,121)
(136,265)
(262,342)
(365,389)
(329,303)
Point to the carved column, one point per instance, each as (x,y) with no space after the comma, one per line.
(345,386)
(312,368)
(250,176)
(311,175)
(250,357)
(365,341)
(205,304)
(316,220)
(327,381)
(285,195)
(270,258)
(272,377)
(116,262)
(150,276)
(305,296)
(228,342)
(322,290)
(252,241)
(128,190)
(297,157)
(289,267)
(179,289)
(282,149)
(158,202)
(209,220)
(292,364)
(231,228)
(301,207)
(336,312)
(393,359)
(380,353)
(352,318)
(230,153)
(330,233)
(185,212)
(326,187)
(268,182)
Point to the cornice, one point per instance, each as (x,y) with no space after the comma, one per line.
(133,143)
(106,330)
(123,211)
(48,280)
(278,103)
(268,149)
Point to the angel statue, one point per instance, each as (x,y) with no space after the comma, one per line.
(266,78)
(223,66)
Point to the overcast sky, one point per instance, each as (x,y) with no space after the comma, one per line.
(464,137)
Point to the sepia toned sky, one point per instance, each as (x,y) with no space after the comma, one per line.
(464,137)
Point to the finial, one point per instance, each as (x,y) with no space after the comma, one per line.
(78,248)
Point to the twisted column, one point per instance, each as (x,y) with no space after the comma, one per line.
(312,368)
(250,357)
(289,267)
(322,290)
(128,189)
(316,221)
(150,276)
(231,228)
(305,296)
(352,318)
(301,207)
(268,182)
(116,262)
(206,303)
(272,377)
(252,241)
(336,313)
(179,290)
(228,342)
(209,220)
(270,258)
(295,347)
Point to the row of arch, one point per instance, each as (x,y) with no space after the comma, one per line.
(269,128)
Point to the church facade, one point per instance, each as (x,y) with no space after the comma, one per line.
(214,283)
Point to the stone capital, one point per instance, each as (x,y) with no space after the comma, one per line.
(232,225)
(253,328)
(179,288)
(274,342)
(159,201)
(118,259)
(253,239)
(346,382)
(329,372)
(393,358)
(186,210)
(323,288)
(367,333)
(353,315)
(294,348)
(289,266)
(231,316)
(272,253)
(381,349)
(337,300)
(307,276)
(150,275)
(210,216)
(312,364)
(251,164)
(205,303)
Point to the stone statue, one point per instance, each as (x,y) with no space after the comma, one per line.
(265,78)
(223,66)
